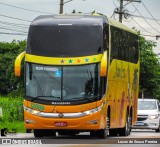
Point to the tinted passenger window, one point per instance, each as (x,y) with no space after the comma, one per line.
(124,45)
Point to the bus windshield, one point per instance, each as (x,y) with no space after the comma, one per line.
(66,41)
(62,83)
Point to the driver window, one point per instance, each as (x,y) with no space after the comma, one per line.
(89,87)
(106,38)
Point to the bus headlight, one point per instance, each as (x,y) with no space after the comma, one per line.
(153,116)
(32,111)
(92,110)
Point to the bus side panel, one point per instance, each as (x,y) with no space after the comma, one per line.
(111,95)
(122,92)
(135,88)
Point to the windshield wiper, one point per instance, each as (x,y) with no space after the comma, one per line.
(44,96)
(85,98)
(51,96)
(91,98)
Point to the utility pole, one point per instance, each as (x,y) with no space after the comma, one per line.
(61,6)
(121,11)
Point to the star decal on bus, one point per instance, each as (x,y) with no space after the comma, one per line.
(70,61)
(78,61)
(86,59)
(94,59)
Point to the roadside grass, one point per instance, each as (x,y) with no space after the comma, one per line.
(18,126)
(12,111)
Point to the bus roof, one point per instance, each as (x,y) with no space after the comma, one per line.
(48,20)
(120,25)
(78,19)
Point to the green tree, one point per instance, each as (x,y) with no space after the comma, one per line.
(9,84)
(149,69)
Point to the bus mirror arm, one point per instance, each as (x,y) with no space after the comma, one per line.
(30,71)
(103,67)
(30,75)
(17,65)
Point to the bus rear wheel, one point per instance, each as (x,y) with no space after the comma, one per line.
(113,132)
(93,134)
(126,130)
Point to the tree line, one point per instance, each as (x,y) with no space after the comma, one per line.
(14,86)
(9,84)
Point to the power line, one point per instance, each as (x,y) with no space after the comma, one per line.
(14,24)
(121,10)
(146,20)
(112,14)
(115,4)
(142,17)
(150,13)
(5,33)
(126,20)
(130,1)
(24,8)
(135,9)
(15,18)
(157,36)
(62,3)
(4,28)
(141,26)
(149,35)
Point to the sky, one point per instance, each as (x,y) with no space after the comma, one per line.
(15,20)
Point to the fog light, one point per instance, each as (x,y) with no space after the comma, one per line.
(92,122)
(28,121)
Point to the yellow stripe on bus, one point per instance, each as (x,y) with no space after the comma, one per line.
(63,61)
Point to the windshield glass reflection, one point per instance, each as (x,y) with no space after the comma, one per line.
(67,83)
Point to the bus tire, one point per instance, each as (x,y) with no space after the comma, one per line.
(102,133)
(113,132)
(126,130)
(49,133)
(28,130)
(93,133)
(38,133)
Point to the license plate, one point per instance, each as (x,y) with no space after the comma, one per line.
(139,124)
(60,124)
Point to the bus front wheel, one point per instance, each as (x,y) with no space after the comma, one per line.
(102,133)
(39,133)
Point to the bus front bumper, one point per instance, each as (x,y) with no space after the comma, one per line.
(93,121)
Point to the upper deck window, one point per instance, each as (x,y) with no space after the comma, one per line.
(65,41)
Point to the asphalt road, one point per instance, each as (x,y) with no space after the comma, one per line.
(142,138)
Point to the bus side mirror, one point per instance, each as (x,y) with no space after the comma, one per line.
(103,66)
(17,65)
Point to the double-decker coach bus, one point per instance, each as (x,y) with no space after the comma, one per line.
(81,75)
